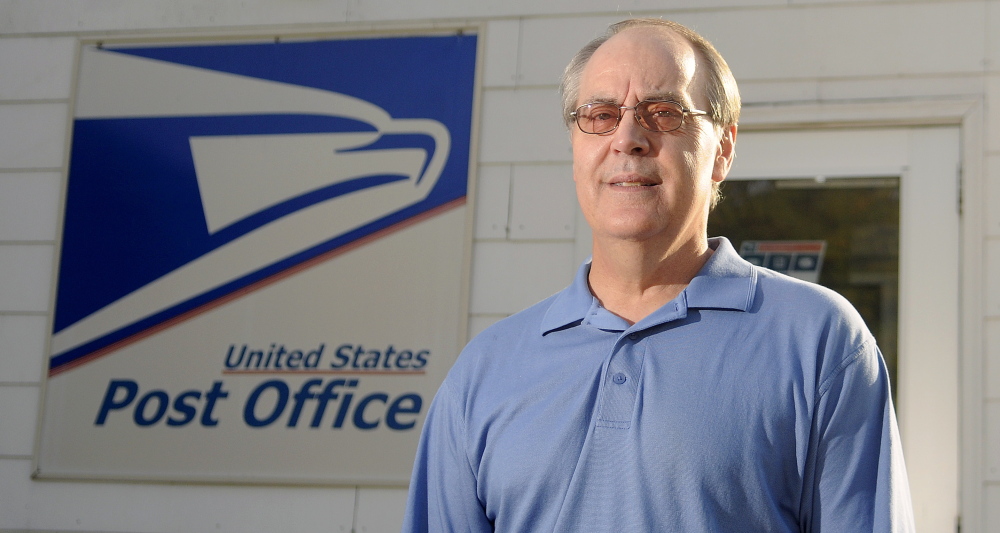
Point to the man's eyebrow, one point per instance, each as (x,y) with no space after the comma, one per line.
(656,97)
(668,97)
(602,100)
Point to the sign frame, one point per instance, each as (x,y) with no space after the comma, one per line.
(461,215)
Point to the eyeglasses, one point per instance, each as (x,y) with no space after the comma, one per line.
(598,117)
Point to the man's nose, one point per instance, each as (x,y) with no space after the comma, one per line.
(630,137)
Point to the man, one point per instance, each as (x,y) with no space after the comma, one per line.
(673,386)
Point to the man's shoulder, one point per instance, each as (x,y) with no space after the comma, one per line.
(793,308)
(730,278)
(498,353)
(785,292)
(513,328)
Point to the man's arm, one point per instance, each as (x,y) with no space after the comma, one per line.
(855,477)
(443,495)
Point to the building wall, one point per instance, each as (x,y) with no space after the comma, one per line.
(529,237)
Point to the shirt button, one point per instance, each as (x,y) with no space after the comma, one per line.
(633,336)
(618,378)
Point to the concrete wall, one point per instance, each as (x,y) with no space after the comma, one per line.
(528,234)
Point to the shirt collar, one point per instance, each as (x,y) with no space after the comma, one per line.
(726,281)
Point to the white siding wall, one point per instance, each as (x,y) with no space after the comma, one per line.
(529,237)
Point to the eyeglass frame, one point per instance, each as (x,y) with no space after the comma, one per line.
(685,112)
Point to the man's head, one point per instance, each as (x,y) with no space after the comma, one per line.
(647,177)
(717,86)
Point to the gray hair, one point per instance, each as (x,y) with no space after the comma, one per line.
(723,94)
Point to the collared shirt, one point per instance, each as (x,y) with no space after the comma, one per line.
(752,402)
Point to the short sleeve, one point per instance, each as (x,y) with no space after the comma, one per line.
(855,477)
(442,495)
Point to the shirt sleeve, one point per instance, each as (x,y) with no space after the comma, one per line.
(443,495)
(855,477)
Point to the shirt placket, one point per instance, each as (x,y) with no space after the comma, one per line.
(621,380)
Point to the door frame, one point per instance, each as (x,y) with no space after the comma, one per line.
(967,115)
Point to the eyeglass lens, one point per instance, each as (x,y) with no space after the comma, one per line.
(654,116)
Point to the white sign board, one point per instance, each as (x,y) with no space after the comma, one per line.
(262,261)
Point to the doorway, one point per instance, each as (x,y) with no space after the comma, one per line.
(875,213)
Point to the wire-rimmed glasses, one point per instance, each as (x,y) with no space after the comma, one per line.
(598,118)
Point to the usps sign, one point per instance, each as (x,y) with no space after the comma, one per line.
(264,258)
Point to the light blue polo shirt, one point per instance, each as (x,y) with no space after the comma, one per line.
(752,402)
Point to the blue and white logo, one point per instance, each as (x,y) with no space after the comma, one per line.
(198,173)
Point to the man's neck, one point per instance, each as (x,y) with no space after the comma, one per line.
(633,279)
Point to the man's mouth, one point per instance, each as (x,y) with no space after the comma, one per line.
(633,178)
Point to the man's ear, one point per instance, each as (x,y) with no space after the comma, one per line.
(726,154)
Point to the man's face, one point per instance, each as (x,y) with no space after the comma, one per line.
(635,184)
